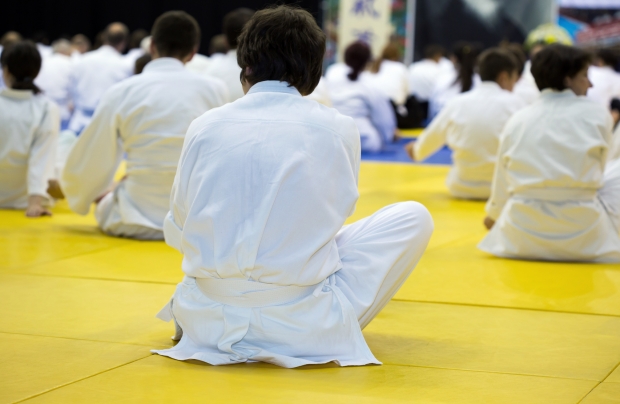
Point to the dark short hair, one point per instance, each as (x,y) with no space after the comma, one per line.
(608,56)
(356,56)
(282,43)
(552,65)
(141,62)
(234,23)
(175,34)
(433,50)
(494,61)
(136,38)
(23,61)
(115,37)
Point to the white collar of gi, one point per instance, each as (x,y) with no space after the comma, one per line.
(163,64)
(108,48)
(273,86)
(491,85)
(16,94)
(550,93)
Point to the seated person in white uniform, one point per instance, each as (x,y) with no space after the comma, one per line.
(144,117)
(554,195)
(226,68)
(605,79)
(261,195)
(95,72)
(29,125)
(458,80)
(526,86)
(55,79)
(356,95)
(470,125)
(423,76)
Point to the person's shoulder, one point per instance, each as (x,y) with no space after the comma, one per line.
(591,108)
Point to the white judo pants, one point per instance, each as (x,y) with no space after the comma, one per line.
(378,253)
(111,222)
(609,195)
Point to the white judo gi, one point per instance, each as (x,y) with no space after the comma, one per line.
(145,117)
(54,80)
(553,197)
(28,133)
(470,124)
(526,87)
(199,64)
(263,189)
(370,109)
(423,76)
(605,85)
(393,80)
(93,74)
(227,69)
(446,88)
(321,94)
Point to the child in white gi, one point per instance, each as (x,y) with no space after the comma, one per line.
(263,189)
(470,125)
(554,196)
(29,125)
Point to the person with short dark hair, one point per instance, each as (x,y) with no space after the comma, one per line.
(29,125)
(262,192)
(95,72)
(226,68)
(145,118)
(471,123)
(555,197)
(604,77)
(135,49)
(218,45)
(357,95)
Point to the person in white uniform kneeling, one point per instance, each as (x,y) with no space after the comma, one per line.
(145,117)
(470,125)
(554,196)
(263,189)
(29,125)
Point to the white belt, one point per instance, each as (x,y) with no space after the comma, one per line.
(557,194)
(244,293)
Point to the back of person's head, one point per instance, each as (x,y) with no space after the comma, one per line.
(391,52)
(136,38)
(141,62)
(434,52)
(552,65)
(218,44)
(234,23)
(80,43)
(23,62)
(62,46)
(116,35)
(609,57)
(494,61)
(9,38)
(175,34)
(466,55)
(356,56)
(519,53)
(40,37)
(282,43)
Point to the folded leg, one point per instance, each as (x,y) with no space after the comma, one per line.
(609,195)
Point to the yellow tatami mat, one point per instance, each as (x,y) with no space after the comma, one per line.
(77,320)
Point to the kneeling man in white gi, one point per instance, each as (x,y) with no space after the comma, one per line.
(263,189)
(144,117)
(554,195)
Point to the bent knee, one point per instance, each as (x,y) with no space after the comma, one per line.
(418,215)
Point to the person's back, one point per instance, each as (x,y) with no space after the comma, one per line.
(94,73)
(423,76)
(470,125)
(605,85)
(390,76)
(28,133)
(547,195)
(263,189)
(144,117)
(226,67)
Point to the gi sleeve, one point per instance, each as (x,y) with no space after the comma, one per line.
(434,136)
(94,158)
(42,158)
(499,188)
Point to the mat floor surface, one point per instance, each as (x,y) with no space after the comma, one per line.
(77,319)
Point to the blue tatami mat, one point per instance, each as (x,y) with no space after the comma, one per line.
(395,152)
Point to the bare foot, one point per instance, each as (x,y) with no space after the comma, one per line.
(489,223)
(410,151)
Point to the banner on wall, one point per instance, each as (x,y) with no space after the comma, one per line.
(364,20)
(591,22)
